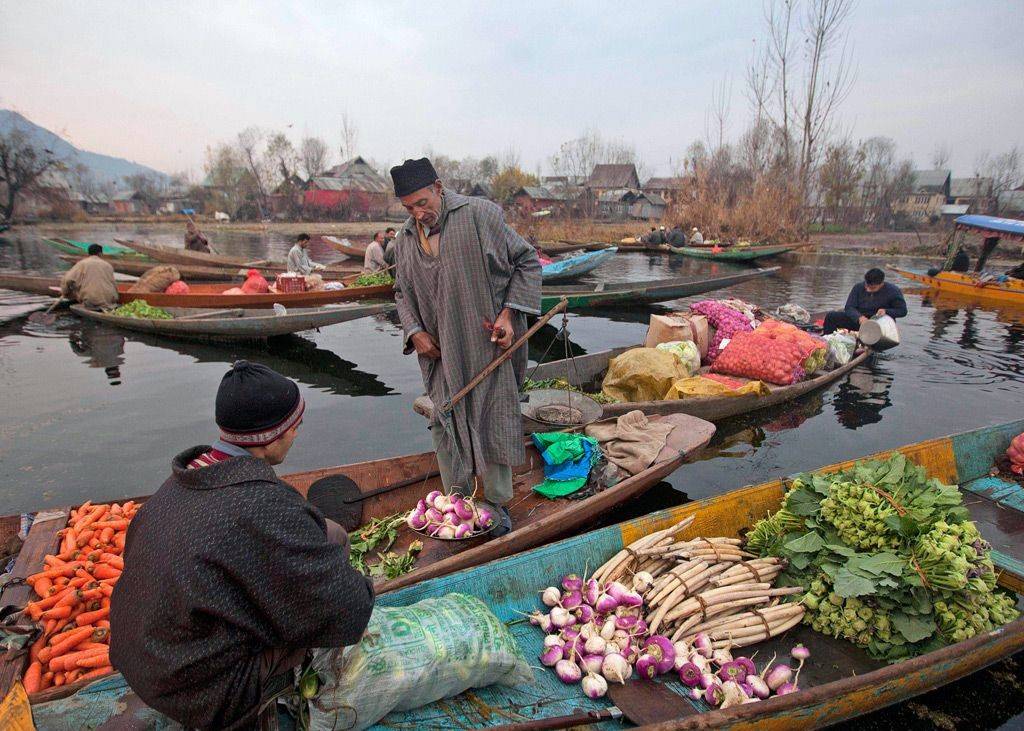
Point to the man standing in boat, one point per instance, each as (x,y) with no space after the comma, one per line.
(465,283)
(90,281)
(230,575)
(194,239)
(298,258)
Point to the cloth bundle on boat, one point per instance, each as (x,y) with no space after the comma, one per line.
(567,462)
(642,374)
(411,656)
(156,279)
(631,441)
(715,385)
(687,353)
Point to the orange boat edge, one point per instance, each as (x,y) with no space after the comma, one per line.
(1009,292)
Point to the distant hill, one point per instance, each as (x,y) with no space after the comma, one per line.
(104,168)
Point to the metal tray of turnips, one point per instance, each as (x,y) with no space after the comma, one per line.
(453,517)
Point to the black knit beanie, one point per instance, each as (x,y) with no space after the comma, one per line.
(256,405)
(412,175)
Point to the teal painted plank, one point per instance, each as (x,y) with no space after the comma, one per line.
(1006,493)
(511,588)
(1007,563)
(975,451)
(97,704)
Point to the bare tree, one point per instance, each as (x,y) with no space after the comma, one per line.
(314,156)
(716,119)
(22,166)
(148,187)
(779,17)
(1006,172)
(249,142)
(577,158)
(282,158)
(940,156)
(349,137)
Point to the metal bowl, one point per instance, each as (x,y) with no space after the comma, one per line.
(485,531)
(550,409)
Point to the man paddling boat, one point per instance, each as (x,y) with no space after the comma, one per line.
(870,298)
(230,574)
(194,239)
(90,281)
(465,283)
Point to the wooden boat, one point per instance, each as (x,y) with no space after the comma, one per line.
(212,295)
(572,267)
(350,248)
(174,255)
(138,266)
(588,371)
(839,682)
(1010,292)
(557,248)
(235,324)
(29,283)
(81,248)
(735,253)
(536,519)
(626,293)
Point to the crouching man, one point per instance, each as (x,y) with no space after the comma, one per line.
(230,574)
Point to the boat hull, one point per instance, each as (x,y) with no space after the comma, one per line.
(211,295)
(191,272)
(352,249)
(576,266)
(172,255)
(81,248)
(1010,292)
(735,253)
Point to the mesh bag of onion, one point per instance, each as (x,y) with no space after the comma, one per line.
(411,656)
(762,358)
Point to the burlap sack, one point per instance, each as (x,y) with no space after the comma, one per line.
(156,279)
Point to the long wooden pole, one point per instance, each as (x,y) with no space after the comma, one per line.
(493,365)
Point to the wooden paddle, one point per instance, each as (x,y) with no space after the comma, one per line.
(641,701)
(45,318)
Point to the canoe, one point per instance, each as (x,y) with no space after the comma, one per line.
(565,270)
(589,370)
(235,324)
(29,283)
(735,253)
(347,247)
(536,520)
(1010,292)
(626,293)
(81,248)
(174,255)
(135,267)
(839,682)
(211,295)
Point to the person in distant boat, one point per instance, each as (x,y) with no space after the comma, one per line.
(298,258)
(194,239)
(870,298)
(90,281)
(1017,272)
(389,246)
(230,574)
(676,237)
(373,259)
(466,282)
(961,262)
(696,237)
(654,236)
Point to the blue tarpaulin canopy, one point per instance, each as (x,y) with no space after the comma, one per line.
(992,224)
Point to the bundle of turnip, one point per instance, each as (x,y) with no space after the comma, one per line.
(600,629)
(449,516)
(716,677)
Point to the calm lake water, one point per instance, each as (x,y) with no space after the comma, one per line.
(94,413)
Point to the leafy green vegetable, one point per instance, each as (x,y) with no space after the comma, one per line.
(142,310)
(378,536)
(374,280)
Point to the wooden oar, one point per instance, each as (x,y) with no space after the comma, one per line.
(45,318)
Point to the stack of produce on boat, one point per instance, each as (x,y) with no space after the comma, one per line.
(74,589)
(254,283)
(449,516)
(713,344)
(688,603)
(1015,454)
(889,556)
(142,310)
(374,280)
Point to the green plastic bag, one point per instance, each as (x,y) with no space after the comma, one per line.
(412,656)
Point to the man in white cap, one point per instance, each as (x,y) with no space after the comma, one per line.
(696,237)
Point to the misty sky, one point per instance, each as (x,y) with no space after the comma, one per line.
(157,82)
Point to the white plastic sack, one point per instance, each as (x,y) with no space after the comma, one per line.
(686,351)
(412,656)
(840,349)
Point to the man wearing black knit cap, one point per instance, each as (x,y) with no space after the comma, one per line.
(465,283)
(229,574)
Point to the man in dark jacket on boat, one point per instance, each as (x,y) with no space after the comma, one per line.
(230,574)
(676,237)
(874,296)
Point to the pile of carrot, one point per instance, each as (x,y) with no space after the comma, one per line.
(74,590)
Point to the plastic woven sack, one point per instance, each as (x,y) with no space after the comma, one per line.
(726,321)
(813,348)
(767,359)
(707,386)
(156,279)
(642,374)
(686,351)
(412,656)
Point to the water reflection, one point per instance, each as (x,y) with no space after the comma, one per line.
(100,347)
(861,398)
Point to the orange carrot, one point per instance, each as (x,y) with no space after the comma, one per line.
(92,617)
(47,679)
(72,675)
(93,646)
(62,612)
(70,598)
(58,680)
(94,661)
(104,624)
(112,559)
(33,679)
(68,661)
(119,524)
(37,648)
(42,587)
(119,540)
(97,672)
(106,535)
(103,571)
(84,537)
(68,641)
(51,560)
(107,589)
(64,570)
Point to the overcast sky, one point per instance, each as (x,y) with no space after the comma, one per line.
(157,82)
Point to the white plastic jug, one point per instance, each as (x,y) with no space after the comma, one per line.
(879,333)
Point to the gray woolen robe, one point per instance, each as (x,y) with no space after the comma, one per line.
(483,267)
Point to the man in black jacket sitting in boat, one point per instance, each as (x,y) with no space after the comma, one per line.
(230,574)
(874,296)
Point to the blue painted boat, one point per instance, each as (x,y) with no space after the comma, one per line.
(839,682)
(572,267)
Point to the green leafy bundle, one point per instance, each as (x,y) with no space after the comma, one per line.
(378,536)
(890,558)
(142,310)
(373,280)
